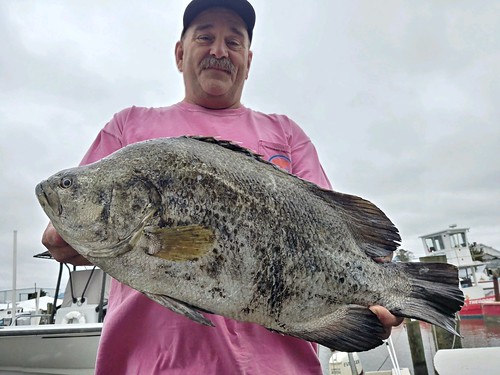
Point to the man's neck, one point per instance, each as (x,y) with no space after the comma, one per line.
(214,104)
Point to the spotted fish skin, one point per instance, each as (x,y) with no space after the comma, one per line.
(199,224)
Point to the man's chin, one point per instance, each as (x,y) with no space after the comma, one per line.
(216,87)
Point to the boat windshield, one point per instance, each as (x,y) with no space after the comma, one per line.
(458,240)
(434,243)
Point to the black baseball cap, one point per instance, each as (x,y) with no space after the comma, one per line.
(241,7)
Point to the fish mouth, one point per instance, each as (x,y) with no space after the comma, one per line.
(49,199)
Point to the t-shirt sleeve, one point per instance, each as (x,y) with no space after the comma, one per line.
(305,160)
(108,140)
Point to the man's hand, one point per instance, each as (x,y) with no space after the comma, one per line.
(60,250)
(387,319)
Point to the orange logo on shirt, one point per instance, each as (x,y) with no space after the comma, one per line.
(281,161)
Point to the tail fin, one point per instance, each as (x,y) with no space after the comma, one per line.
(434,297)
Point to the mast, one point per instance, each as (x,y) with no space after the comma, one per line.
(14,270)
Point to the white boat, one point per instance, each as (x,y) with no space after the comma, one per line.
(68,343)
(452,246)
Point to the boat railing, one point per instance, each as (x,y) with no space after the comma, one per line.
(31,319)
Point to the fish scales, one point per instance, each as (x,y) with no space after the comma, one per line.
(199,224)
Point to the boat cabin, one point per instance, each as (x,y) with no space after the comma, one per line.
(452,246)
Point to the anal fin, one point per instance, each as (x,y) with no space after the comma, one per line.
(351,328)
(180,308)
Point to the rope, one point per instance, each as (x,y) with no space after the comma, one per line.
(71,284)
(389,355)
(392,353)
(457,319)
(82,298)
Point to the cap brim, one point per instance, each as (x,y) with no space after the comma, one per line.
(241,7)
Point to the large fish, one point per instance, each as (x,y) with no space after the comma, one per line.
(198,224)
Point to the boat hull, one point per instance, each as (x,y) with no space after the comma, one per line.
(470,361)
(472,308)
(491,311)
(52,349)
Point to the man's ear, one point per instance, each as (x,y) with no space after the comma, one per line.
(179,55)
(249,62)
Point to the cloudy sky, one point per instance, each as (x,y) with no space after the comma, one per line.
(398,96)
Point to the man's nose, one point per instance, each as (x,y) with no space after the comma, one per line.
(219,49)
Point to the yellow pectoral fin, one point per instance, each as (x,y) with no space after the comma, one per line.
(180,243)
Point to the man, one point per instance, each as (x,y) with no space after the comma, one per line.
(140,336)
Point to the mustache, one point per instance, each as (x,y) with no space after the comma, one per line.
(213,62)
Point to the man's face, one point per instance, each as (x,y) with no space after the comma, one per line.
(214,57)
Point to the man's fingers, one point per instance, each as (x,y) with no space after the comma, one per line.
(59,249)
(386,318)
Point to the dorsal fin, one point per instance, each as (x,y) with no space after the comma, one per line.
(374,233)
(233,146)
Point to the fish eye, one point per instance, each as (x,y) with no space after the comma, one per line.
(66,182)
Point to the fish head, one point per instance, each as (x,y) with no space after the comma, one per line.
(99,211)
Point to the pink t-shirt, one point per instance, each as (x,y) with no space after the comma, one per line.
(143,337)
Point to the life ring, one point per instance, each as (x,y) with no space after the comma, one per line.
(72,315)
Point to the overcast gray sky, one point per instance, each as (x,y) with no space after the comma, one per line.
(401,98)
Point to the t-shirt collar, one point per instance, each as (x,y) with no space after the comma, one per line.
(222,112)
